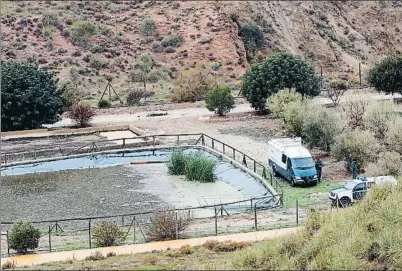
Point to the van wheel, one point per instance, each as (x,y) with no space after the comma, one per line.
(292,182)
(345,202)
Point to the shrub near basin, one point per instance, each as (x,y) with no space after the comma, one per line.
(200,168)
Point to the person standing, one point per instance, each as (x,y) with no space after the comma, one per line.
(318,168)
(354,170)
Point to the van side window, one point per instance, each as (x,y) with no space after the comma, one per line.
(284,158)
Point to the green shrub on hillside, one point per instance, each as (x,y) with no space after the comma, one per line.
(50,19)
(148,27)
(82,31)
(293,116)
(174,40)
(386,76)
(389,163)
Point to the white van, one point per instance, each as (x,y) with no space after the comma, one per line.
(288,158)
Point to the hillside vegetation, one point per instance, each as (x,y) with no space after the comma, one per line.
(86,43)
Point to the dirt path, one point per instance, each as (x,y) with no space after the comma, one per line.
(36,259)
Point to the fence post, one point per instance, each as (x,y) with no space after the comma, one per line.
(360,75)
(221,210)
(122,221)
(223,148)
(134,228)
(297,212)
(244,160)
(255,217)
(254,166)
(89,233)
(178,140)
(124,142)
(153,140)
(50,241)
(234,154)
(251,204)
(271,177)
(264,173)
(177,229)
(216,222)
(8,244)
(203,140)
(213,144)
(321,78)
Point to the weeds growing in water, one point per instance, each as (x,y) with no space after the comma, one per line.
(200,168)
(195,167)
(177,163)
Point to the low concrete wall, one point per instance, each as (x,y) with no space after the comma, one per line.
(79,131)
(18,158)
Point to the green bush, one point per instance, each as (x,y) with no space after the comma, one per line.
(177,163)
(134,97)
(200,168)
(82,31)
(293,116)
(393,138)
(106,234)
(35,90)
(378,117)
(23,237)
(358,145)
(173,40)
(389,163)
(321,126)
(277,102)
(148,27)
(252,38)
(104,104)
(50,19)
(96,64)
(386,76)
(220,100)
(280,71)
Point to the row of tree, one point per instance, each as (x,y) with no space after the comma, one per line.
(30,96)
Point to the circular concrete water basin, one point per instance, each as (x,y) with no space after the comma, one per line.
(106,184)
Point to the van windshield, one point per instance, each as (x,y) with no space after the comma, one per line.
(303,163)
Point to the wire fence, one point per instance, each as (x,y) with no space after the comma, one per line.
(253,214)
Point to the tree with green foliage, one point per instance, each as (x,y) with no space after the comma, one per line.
(144,70)
(29,97)
(23,237)
(386,76)
(220,100)
(280,71)
(252,37)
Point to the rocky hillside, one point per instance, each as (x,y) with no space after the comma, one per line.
(336,35)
